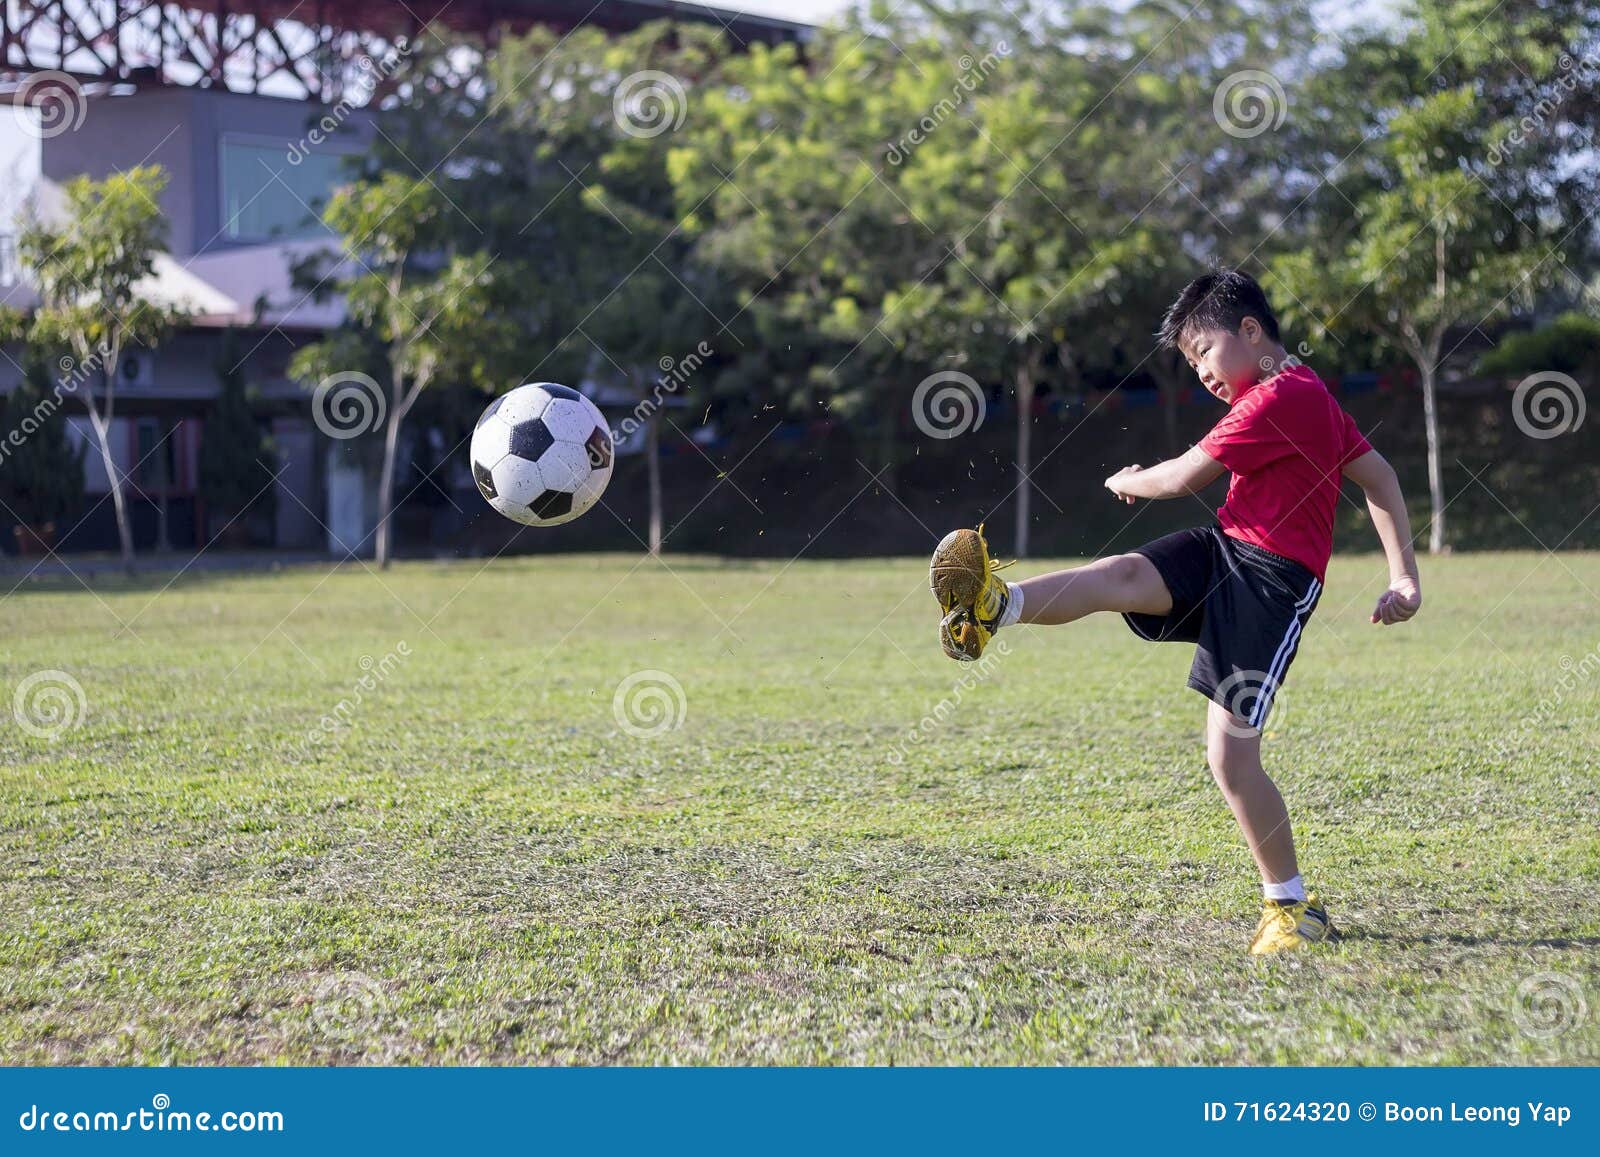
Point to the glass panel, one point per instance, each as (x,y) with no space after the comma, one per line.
(265,197)
(155,456)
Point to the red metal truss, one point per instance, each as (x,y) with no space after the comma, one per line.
(307,49)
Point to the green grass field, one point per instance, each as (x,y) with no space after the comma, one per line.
(471,860)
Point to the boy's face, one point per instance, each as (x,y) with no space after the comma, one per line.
(1227,363)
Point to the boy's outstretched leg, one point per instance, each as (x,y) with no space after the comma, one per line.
(976,602)
(1289,918)
(1126,583)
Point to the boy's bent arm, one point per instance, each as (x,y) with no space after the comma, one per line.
(1189,473)
(1387,506)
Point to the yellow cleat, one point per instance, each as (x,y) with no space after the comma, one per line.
(1287,927)
(971,596)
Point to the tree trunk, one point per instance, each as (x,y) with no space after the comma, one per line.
(102,433)
(101,423)
(652,457)
(886,451)
(1430,413)
(391,444)
(1025,389)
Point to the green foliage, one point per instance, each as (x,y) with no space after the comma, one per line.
(1014,191)
(435,315)
(1570,345)
(236,454)
(85,267)
(41,471)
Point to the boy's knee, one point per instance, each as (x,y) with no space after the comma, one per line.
(1233,765)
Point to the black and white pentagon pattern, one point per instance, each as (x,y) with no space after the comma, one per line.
(542,454)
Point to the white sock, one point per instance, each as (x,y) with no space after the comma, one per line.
(1013,610)
(1290,889)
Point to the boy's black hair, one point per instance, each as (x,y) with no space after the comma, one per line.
(1219,300)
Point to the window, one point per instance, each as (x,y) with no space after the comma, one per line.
(265,197)
(156,444)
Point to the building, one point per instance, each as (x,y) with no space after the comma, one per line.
(225,96)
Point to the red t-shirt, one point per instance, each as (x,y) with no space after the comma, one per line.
(1286,442)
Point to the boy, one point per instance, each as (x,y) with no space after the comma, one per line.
(1243,588)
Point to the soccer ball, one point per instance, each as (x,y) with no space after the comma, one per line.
(541,454)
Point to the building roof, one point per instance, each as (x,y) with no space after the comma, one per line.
(254,284)
(249,285)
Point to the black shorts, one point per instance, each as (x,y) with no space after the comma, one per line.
(1245,608)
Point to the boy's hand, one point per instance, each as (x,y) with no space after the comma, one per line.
(1397,604)
(1112,485)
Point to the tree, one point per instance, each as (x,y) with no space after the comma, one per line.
(791,183)
(435,315)
(41,471)
(1431,252)
(1037,234)
(1420,228)
(235,467)
(87,272)
(598,116)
